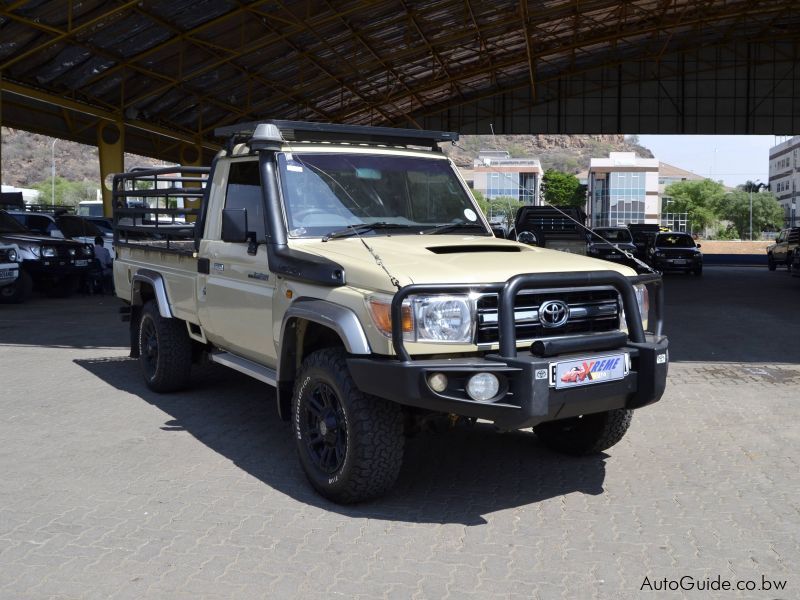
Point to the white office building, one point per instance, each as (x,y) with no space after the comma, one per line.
(784,177)
(623,188)
(496,175)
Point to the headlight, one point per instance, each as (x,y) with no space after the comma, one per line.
(526,237)
(594,250)
(12,255)
(434,318)
(449,319)
(87,251)
(643,300)
(48,252)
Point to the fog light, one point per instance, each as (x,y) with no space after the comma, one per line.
(438,382)
(483,387)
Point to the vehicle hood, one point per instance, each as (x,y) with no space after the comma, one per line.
(32,238)
(606,246)
(445,259)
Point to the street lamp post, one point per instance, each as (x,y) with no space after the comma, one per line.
(53,173)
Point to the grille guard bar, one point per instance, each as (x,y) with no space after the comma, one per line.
(508,290)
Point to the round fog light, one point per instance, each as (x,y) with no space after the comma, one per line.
(483,387)
(438,382)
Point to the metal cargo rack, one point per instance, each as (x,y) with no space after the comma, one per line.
(147,211)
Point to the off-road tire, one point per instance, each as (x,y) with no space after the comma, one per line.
(63,287)
(698,271)
(367,428)
(789,259)
(770,262)
(17,292)
(587,434)
(165,351)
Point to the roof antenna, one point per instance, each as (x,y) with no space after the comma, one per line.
(494,137)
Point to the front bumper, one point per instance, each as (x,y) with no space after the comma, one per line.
(56,267)
(678,264)
(527,393)
(8,273)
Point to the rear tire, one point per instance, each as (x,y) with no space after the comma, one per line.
(698,271)
(350,445)
(17,292)
(165,351)
(587,434)
(789,259)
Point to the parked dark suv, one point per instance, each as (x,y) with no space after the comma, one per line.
(675,251)
(54,265)
(618,239)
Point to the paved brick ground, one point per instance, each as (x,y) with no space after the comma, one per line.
(110,491)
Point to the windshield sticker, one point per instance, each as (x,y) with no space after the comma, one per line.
(470,214)
(295,168)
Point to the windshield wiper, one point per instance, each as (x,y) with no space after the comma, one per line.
(445,227)
(362,228)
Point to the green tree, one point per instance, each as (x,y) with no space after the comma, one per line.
(562,189)
(701,200)
(482,201)
(767,213)
(67,193)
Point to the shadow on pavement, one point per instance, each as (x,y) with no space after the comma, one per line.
(733,314)
(453,477)
(74,322)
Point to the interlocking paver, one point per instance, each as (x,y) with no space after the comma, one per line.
(111,491)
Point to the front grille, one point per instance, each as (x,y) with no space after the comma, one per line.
(591,311)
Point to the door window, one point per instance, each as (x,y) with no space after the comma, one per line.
(244,191)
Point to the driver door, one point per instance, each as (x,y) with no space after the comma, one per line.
(238,291)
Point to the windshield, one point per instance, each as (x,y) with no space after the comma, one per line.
(77,227)
(674,241)
(615,235)
(323,193)
(9,224)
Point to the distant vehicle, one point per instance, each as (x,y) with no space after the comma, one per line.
(54,265)
(9,273)
(643,235)
(63,225)
(557,228)
(675,251)
(90,208)
(619,241)
(783,250)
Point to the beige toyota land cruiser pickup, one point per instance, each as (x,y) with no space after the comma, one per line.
(350,268)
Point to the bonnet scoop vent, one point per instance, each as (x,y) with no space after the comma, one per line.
(469,249)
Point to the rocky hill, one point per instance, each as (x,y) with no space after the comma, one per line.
(568,153)
(27,159)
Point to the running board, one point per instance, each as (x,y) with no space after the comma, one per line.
(248,367)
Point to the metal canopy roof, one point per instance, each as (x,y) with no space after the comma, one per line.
(174,70)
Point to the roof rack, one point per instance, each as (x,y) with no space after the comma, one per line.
(306,131)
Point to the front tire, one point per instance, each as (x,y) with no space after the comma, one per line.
(165,351)
(350,445)
(17,292)
(587,434)
(770,262)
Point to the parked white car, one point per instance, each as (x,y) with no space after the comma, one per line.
(9,268)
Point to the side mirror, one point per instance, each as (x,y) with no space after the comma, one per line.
(234,225)
(699,245)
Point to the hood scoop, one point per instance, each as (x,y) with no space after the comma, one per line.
(470,249)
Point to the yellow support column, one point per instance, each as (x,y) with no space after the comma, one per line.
(111,150)
(191,156)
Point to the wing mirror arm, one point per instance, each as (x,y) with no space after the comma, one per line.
(252,243)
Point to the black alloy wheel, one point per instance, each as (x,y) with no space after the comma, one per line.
(324,428)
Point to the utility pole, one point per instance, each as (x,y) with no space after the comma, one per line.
(53,173)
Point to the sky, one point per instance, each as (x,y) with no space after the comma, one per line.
(732,158)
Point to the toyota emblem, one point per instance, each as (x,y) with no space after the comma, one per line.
(553,313)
